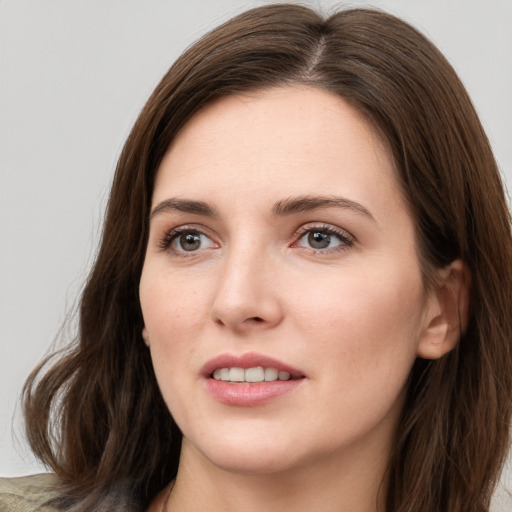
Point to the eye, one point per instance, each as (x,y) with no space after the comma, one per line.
(324,238)
(187,240)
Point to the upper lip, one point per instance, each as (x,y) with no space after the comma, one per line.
(247,360)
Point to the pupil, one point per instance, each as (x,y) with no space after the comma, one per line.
(319,240)
(190,242)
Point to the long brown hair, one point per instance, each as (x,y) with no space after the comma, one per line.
(94,413)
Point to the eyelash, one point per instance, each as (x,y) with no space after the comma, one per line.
(345,238)
(166,241)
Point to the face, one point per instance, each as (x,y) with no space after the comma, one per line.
(280,248)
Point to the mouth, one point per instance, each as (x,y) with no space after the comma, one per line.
(249,367)
(249,379)
(254,374)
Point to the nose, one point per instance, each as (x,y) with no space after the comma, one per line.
(247,293)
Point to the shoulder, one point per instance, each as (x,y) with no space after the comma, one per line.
(27,493)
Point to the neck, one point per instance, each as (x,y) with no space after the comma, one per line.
(337,482)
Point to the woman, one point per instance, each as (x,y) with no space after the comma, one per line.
(302,296)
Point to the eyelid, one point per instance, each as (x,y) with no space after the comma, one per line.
(165,239)
(343,235)
(168,236)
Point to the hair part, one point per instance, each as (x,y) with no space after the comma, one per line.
(96,416)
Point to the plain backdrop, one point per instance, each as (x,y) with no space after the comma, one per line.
(74,75)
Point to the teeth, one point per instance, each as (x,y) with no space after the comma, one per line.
(236,374)
(271,374)
(221,374)
(284,376)
(256,374)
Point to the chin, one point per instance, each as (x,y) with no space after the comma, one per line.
(252,464)
(249,455)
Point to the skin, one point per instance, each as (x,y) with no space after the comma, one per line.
(351,317)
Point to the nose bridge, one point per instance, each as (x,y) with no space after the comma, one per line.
(246,293)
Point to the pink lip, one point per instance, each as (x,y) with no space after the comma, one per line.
(248,394)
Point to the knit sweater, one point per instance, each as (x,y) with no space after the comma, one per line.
(27,493)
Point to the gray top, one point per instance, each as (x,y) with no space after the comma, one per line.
(27,493)
(32,493)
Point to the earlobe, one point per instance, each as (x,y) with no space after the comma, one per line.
(145,336)
(447,312)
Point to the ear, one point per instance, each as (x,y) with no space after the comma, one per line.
(145,336)
(447,311)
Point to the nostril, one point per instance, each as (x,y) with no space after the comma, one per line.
(256,319)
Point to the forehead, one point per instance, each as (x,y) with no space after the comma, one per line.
(279,141)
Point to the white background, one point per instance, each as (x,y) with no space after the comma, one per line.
(73,76)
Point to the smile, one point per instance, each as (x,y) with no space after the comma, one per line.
(250,379)
(255,374)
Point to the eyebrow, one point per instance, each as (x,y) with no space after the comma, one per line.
(281,208)
(311,203)
(185,206)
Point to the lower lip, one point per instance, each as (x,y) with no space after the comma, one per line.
(249,394)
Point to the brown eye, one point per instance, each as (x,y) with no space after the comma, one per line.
(319,240)
(324,239)
(190,241)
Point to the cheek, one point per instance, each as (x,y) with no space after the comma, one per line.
(173,319)
(170,303)
(364,323)
(366,333)
(173,314)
